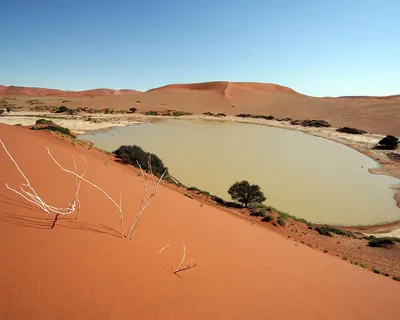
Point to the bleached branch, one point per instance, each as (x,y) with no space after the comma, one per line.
(145,203)
(29,194)
(181,268)
(119,207)
(162,249)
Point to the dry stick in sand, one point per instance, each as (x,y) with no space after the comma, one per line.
(145,203)
(162,249)
(31,195)
(180,267)
(119,207)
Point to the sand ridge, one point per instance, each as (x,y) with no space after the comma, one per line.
(44,92)
(374,114)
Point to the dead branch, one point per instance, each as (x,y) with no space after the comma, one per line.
(181,268)
(29,193)
(162,249)
(119,207)
(145,203)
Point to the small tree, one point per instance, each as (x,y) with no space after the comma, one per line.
(245,193)
(389,143)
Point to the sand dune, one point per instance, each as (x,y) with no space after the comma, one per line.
(228,89)
(83,269)
(374,114)
(43,92)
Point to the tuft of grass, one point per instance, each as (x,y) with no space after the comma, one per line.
(325,250)
(387,275)
(282,221)
(345,258)
(55,128)
(361,265)
(186,195)
(199,191)
(376,271)
(267,218)
(328,230)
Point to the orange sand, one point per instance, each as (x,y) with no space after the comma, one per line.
(374,114)
(82,270)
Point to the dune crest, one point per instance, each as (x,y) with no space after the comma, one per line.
(44,92)
(229,89)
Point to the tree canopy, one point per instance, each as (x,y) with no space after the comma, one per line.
(246,193)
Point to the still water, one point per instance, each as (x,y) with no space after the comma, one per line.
(306,176)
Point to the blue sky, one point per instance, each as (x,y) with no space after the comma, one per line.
(317,47)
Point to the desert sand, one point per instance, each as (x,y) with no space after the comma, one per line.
(83,269)
(374,114)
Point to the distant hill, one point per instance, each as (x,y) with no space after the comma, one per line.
(373,114)
(44,92)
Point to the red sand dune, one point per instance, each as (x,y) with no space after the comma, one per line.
(228,89)
(82,270)
(373,114)
(43,92)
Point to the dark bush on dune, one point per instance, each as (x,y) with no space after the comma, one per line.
(351,130)
(44,121)
(55,128)
(134,154)
(259,116)
(381,242)
(388,143)
(315,123)
(62,109)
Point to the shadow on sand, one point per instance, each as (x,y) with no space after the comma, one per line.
(47,221)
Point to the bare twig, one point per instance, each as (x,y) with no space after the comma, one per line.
(181,267)
(119,207)
(145,203)
(29,194)
(162,249)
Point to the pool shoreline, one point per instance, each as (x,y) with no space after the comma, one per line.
(362,144)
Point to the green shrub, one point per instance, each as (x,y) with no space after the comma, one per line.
(134,154)
(327,231)
(199,191)
(381,242)
(132,110)
(257,213)
(55,128)
(181,113)
(350,130)
(323,231)
(315,123)
(44,121)
(62,109)
(1,111)
(282,221)
(396,278)
(376,271)
(267,218)
(151,113)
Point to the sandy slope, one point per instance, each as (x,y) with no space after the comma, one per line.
(374,114)
(82,270)
(44,92)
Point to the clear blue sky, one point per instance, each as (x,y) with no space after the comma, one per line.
(317,47)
